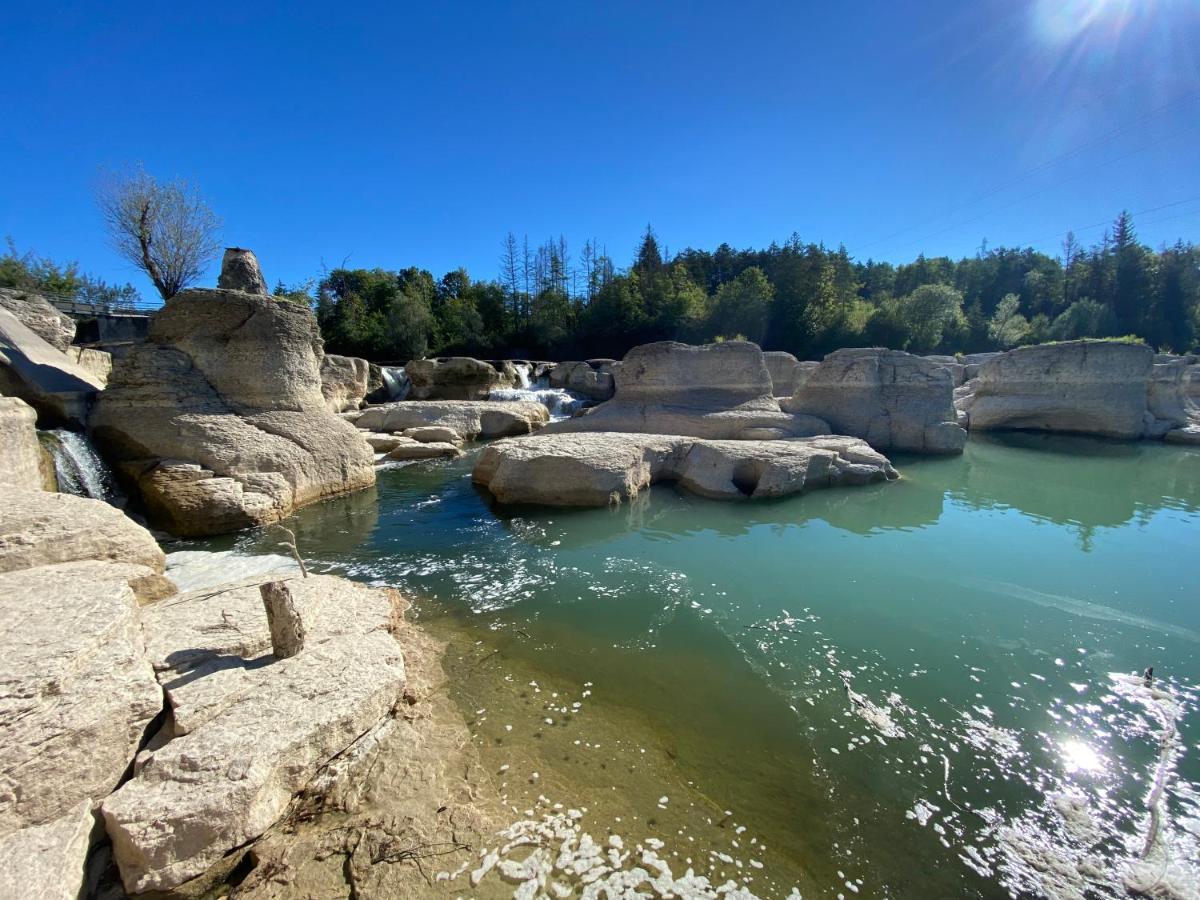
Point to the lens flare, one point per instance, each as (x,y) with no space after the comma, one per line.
(1062,21)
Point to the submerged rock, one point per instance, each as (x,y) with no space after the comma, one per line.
(719,391)
(891,399)
(596,469)
(468,419)
(345,381)
(219,420)
(1084,387)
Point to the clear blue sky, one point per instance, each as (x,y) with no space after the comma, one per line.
(419,134)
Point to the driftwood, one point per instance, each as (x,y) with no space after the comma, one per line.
(283,619)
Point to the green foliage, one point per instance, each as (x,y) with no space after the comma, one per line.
(927,313)
(40,274)
(1008,327)
(743,306)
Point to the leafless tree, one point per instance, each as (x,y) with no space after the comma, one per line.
(166,230)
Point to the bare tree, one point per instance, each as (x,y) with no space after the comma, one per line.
(166,230)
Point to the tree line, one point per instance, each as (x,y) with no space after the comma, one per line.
(804,298)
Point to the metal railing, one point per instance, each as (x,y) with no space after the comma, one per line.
(72,305)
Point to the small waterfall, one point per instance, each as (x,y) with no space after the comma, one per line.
(395,379)
(79,468)
(561,404)
(523,370)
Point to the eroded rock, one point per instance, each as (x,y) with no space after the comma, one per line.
(595,469)
(455,378)
(345,381)
(21,456)
(466,418)
(240,271)
(38,315)
(42,375)
(592,378)
(47,861)
(891,399)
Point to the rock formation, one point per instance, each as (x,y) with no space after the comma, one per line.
(466,418)
(718,391)
(345,381)
(218,419)
(596,469)
(37,314)
(787,372)
(455,378)
(1085,387)
(22,461)
(47,861)
(240,272)
(592,379)
(43,375)
(891,399)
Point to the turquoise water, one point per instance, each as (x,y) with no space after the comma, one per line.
(906,690)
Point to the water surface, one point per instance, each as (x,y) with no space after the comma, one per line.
(916,689)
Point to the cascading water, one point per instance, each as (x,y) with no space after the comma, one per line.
(79,468)
(395,379)
(560,403)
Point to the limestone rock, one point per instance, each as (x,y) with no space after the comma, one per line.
(455,378)
(468,419)
(97,362)
(786,372)
(219,420)
(891,399)
(240,272)
(46,862)
(345,381)
(38,528)
(258,730)
(76,689)
(382,443)
(719,391)
(38,315)
(21,463)
(433,433)
(1170,402)
(596,469)
(42,375)
(407,448)
(1189,434)
(1085,387)
(593,378)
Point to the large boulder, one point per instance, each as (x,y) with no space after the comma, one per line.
(597,469)
(34,311)
(468,419)
(1084,387)
(47,861)
(345,381)
(77,692)
(592,378)
(38,528)
(218,418)
(44,376)
(787,372)
(455,378)
(1171,401)
(22,460)
(891,399)
(718,391)
(249,731)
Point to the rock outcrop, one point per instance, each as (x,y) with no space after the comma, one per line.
(466,418)
(591,378)
(22,462)
(97,362)
(219,420)
(240,271)
(406,448)
(76,690)
(787,372)
(455,378)
(47,861)
(42,375)
(718,391)
(39,528)
(345,381)
(891,399)
(39,316)
(1084,387)
(248,731)
(597,469)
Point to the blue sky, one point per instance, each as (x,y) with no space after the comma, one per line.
(401,134)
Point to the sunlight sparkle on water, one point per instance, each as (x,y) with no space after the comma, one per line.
(1078,756)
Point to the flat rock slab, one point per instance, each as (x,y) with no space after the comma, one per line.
(595,469)
(408,448)
(468,419)
(38,528)
(47,861)
(77,692)
(248,731)
(432,434)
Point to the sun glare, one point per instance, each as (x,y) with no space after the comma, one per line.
(1061,21)
(1080,757)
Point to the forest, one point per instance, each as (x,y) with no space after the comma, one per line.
(801,297)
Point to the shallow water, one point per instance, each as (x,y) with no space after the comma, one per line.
(901,690)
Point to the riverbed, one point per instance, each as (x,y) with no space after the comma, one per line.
(927,688)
